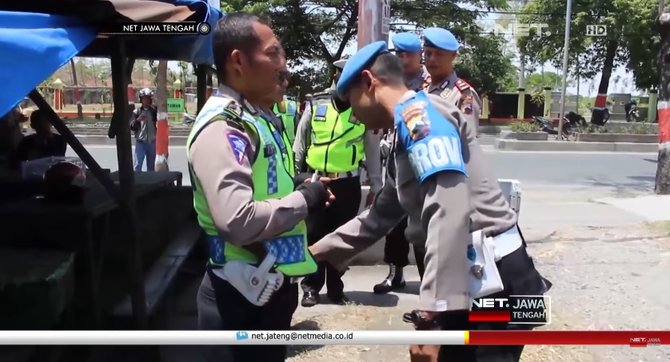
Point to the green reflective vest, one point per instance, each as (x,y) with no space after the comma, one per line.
(287,111)
(337,139)
(272,175)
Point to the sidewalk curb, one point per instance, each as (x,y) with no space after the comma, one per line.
(104,140)
(570,146)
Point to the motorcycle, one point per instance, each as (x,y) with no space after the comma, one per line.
(572,122)
(632,112)
(188,119)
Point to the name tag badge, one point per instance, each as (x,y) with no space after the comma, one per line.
(320,113)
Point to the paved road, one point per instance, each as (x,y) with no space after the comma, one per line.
(618,170)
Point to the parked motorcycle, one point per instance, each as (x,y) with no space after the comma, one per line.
(188,119)
(632,112)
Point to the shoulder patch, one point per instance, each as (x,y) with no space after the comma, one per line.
(416,119)
(462,85)
(239,144)
(432,142)
(466,104)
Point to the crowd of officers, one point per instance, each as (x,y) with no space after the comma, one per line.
(278,191)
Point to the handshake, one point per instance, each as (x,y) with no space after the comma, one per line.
(315,191)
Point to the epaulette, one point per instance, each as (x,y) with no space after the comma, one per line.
(462,85)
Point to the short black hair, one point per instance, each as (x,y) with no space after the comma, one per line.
(234,31)
(387,67)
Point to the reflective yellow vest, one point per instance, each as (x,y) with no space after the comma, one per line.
(337,139)
(272,176)
(287,111)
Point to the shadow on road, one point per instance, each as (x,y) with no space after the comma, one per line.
(306,325)
(372,300)
(412,287)
(643,184)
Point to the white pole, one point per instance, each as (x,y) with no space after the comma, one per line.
(566,50)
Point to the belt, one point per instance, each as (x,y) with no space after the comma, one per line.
(336,175)
(218,271)
(507,242)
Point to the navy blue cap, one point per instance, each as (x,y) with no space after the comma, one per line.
(441,39)
(356,64)
(406,42)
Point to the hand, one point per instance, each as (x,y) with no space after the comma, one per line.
(325,181)
(429,315)
(370,199)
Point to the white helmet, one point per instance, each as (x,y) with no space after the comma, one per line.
(340,63)
(145,92)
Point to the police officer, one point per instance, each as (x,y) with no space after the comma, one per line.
(438,177)
(396,249)
(269,111)
(334,144)
(440,49)
(287,110)
(243,188)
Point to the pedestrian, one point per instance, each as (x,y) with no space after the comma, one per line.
(396,247)
(334,144)
(438,176)
(143,123)
(243,188)
(440,50)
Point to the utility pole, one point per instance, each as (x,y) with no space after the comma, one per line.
(663,166)
(373,21)
(566,49)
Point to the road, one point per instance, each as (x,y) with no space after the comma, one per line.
(636,171)
(604,262)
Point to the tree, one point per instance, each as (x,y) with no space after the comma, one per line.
(597,54)
(482,64)
(316,33)
(663,168)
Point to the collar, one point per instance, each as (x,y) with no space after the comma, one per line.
(229,92)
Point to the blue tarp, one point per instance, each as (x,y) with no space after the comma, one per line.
(33,46)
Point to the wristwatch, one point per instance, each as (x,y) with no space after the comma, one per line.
(420,323)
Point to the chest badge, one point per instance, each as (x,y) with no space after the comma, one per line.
(416,119)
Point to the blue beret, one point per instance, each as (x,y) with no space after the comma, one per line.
(441,39)
(356,64)
(406,42)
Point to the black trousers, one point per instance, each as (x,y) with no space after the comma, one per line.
(222,307)
(519,277)
(396,249)
(347,193)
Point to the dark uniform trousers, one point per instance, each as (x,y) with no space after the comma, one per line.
(519,277)
(347,202)
(396,249)
(222,307)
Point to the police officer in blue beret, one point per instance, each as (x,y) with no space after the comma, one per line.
(438,177)
(396,247)
(440,49)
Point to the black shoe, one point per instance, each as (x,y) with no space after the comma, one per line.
(310,299)
(394,280)
(340,299)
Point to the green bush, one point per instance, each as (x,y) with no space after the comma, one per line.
(524,127)
(636,128)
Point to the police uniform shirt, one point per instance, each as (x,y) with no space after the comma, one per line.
(221,157)
(303,139)
(441,211)
(460,93)
(418,81)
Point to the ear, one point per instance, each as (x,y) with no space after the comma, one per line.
(236,58)
(367,80)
